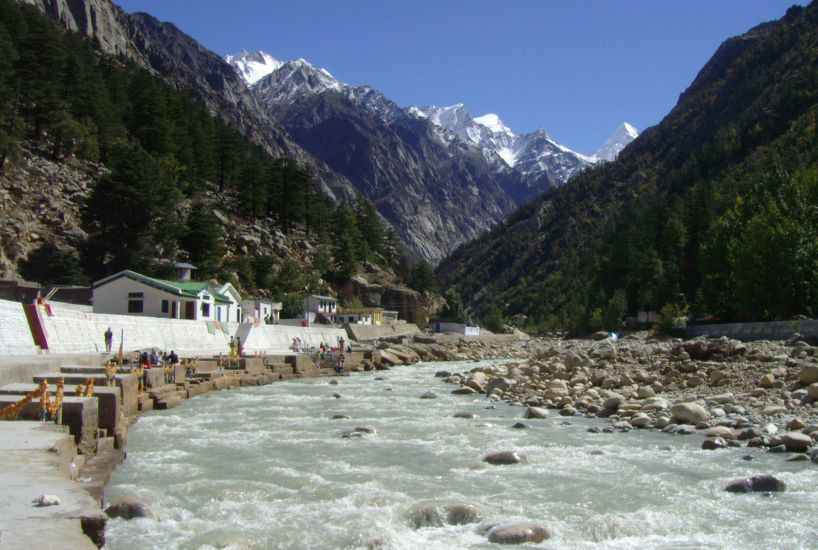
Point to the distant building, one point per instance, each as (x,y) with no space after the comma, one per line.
(320,306)
(449,325)
(360,316)
(131,293)
(258,309)
(229,313)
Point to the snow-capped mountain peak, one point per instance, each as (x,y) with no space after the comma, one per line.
(618,141)
(253,66)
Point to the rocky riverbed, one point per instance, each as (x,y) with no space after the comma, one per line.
(756,394)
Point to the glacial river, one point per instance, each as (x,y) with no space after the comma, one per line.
(266,467)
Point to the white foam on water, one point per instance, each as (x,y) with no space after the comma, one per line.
(267,467)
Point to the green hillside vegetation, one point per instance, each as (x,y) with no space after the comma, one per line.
(713,211)
(166,159)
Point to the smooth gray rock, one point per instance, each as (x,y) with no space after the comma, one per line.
(505,457)
(536,412)
(520,532)
(690,413)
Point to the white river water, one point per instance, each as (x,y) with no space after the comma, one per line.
(266,467)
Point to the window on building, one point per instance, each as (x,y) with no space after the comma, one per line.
(165,306)
(135,302)
(205,310)
(218,314)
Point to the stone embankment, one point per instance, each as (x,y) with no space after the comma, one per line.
(761,394)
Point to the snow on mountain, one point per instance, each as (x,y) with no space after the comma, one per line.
(532,154)
(621,138)
(254,66)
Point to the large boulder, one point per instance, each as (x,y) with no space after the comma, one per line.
(756,484)
(536,412)
(128,508)
(520,532)
(796,441)
(690,413)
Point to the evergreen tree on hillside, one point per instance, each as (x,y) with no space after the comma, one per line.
(129,212)
(203,239)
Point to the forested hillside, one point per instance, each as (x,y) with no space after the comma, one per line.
(164,171)
(712,211)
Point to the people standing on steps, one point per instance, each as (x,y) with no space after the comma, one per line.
(109,340)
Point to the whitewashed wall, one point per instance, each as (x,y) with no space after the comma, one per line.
(15,336)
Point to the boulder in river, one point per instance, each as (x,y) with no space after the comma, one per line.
(536,412)
(796,441)
(520,532)
(440,513)
(128,508)
(690,413)
(505,457)
(429,395)
(756,484)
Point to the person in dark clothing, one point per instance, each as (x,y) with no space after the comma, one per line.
(109,339)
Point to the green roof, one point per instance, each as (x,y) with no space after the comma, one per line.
(187,289)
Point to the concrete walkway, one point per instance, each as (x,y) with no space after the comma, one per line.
(35,459)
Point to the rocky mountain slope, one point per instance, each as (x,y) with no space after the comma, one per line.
(696,212)
(165,51)
(436,194)
(525,165)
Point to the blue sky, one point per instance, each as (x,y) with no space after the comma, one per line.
(577,68)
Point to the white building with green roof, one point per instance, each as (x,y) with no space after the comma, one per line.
(131,293)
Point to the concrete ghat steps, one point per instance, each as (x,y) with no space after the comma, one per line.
(110,417)
(80,414)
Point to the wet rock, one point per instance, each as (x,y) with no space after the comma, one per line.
(756,484)
(442,374)
(796,441)
(429,395)
(641,421)
(465,414)
(505,457)
(594,430)
(691,413)
(713,444)
(334,382)
(128,507)
(465,390)
(568,411)
(366,429)
(336,395)
(520,426)
(798,458)
(340,417)
(519,533)
(438,514)
(536,412)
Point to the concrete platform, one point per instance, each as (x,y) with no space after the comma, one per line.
(80,415)
(127,383)
(110,418)
(35,459)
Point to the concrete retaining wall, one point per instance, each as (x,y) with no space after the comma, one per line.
(776,330)
(367,333)
(69,330)
(15,335)
(279,338)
